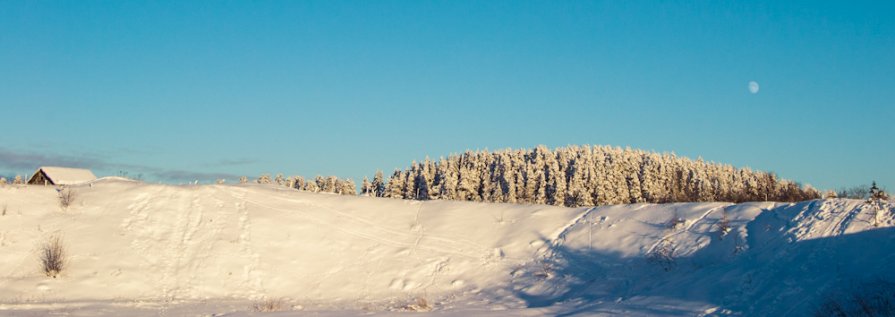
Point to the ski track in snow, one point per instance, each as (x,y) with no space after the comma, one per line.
(252,280)
(377,227)
(561,233)
(444,246)
(689,227)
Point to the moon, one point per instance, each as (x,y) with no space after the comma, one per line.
(753,87)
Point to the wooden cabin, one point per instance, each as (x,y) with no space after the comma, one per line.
(53,175)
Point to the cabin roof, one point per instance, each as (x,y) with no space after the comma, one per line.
(66,175)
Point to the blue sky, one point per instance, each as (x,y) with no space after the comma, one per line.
(200,89)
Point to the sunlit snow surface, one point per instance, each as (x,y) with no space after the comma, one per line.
(139,249)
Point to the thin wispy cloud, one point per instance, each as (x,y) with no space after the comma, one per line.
(26,161)
(235,162)
(18,161)
(186,176)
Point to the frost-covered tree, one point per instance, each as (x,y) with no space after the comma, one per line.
(466,184)
(366,189)
(395,187)
(312,187)
(299,182)
(422,187)
(347,187)
(447,171)
(378,185)
(331,185)
(321,184)
(280,180)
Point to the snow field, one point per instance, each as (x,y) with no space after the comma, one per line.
(142,249)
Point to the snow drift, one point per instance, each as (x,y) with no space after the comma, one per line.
(135,248)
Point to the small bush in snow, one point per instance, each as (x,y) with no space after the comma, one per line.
(419,305)
(66,197)
(723,225)
(52,257)
(269,305)
(677,223)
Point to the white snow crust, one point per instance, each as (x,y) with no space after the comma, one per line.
(136,249)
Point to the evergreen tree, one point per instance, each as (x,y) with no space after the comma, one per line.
(366,189)
(348,187)
(280,180)
(395,187)
(299,183)
(422,187)
(378,185)
(312,187)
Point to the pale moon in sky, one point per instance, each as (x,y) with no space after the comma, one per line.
(753,87)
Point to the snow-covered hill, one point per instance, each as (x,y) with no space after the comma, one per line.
(142,249)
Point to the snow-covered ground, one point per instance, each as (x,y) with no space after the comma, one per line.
(136,249)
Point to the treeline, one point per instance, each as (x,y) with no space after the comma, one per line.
(15,180)
(320,184)
(582,176)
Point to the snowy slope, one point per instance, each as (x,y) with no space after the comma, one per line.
(141,249)
(776,259)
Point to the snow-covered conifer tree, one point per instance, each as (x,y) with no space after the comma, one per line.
(280,180)
(395,187)
(348,187)
(378,185)
(422,187)
(299,183)
(366,188)
(312,187)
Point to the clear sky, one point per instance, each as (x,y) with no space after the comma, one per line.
(177,90)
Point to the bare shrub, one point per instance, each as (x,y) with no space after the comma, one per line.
(66,197)
(269,305)
(419,305)
(856,192)
(724,225)
(870,299)
(52,257)
(677,223)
